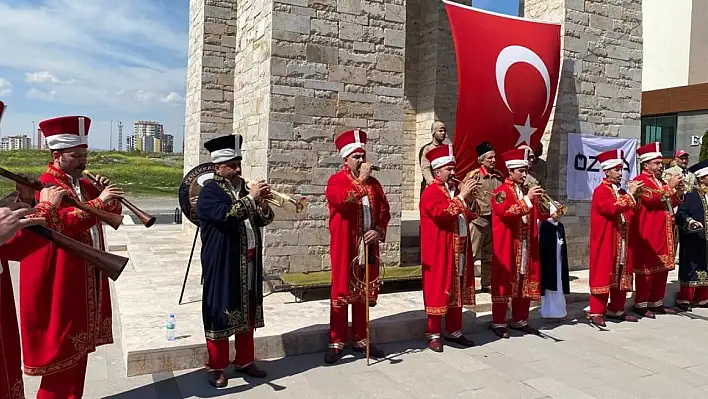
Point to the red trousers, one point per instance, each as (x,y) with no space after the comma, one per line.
(688,295)
(598,303)
(11,386)
(650,289)
(67,384)
(339,325)
(453,324)
(519,312)
(218,350)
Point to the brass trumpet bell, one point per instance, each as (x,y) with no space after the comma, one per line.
(545,201)
(279,199)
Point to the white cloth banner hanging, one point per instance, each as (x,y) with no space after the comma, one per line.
(584,172)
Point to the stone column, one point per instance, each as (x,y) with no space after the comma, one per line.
(435,77)
(306,71)
(210,69)
(599,91)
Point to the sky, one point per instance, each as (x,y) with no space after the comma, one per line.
(106,59)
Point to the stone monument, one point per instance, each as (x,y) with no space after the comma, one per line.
(289,75)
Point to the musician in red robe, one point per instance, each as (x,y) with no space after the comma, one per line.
(65,303)
(651,233)
(610,214)
(516,269)
(445,249)
(358,215)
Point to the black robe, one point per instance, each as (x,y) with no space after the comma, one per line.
(228,307)
(548,239)
(693,267)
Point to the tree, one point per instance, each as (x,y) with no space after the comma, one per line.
(704,147)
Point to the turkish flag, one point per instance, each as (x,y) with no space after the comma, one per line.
(507,74)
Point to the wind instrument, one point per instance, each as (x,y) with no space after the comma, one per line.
(545,201)
(366,293)
(111,219)
(644,191)
(110,264)
(146,219)
(279,199)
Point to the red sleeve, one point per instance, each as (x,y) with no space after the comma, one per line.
(606,204)
(69,220)
(441,209)
(26,242)
(343,194)
(507,207)
(384,212)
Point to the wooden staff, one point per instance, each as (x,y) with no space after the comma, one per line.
(366,292)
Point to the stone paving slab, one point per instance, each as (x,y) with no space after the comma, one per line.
(149,290)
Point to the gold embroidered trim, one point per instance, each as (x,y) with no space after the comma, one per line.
(435,311)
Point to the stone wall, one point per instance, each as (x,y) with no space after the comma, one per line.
(335,66)
(599,91)
(210,68)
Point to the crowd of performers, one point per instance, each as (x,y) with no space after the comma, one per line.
(507,222)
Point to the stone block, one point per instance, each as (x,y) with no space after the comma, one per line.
(280,130)
(355,109)
(347,74)
(606,90)
(395,13)
(389,112)
(322,54)
(307,70)
(324,85)
(291,22)
(349,6)
(310,132)
(394,38)
(388,62)
(324,28)
(360,97)
(350,31)
(315,106)
(313,236)
(305,263)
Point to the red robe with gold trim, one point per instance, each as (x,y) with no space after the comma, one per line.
(345,198)
(65,302)
(441,248)
(508,232)
(610,216)
(11,384)
(652,230)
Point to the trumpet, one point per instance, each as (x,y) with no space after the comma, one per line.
(644,191)
(279,199)
(146,218)
(545,202)
(487,194)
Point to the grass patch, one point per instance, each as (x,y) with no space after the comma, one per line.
(136,173)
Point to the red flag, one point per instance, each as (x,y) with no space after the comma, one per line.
(507,74)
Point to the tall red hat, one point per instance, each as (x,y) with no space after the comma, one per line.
(649,152)
(2,109)
(440,156)
(350,142)
(66,132)
(516,158)
(610,159)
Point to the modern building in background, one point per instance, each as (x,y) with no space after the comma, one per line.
(17,142)
(675,74)
(150,136)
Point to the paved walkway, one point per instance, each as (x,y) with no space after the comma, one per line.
(662,358)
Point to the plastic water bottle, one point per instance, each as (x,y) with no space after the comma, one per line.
(171,324)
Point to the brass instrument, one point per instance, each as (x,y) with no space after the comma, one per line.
(545,202)
(279,199)
(110,264)
(111,219)
(644,191)
(147,219)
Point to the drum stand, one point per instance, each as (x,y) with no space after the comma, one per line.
(189,263)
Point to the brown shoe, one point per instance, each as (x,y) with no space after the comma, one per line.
(217,379)
(684,307)
(435,345)
(662,310)
(252,371)
(623,317)
(462,341)
(598,320)
(500,332)
(333,355)
(374,352)
(644,312)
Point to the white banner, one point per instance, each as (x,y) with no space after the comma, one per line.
(584,171)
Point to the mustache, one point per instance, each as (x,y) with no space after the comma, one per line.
(81,167)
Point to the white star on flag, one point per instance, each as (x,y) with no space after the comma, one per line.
(525,132)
